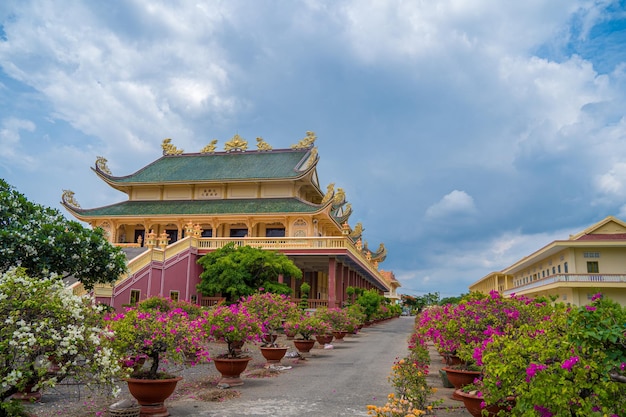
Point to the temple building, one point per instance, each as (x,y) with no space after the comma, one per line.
(572,270)
(184,205)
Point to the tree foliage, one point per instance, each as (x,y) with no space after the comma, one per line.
(239,271)
(42,241)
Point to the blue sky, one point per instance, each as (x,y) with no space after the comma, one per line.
(465,134)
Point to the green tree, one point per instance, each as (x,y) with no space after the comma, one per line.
(370,300)
(238,271)
(42,241)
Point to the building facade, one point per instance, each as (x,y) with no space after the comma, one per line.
(573,270)
(183,205)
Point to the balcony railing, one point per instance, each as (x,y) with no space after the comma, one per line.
(570,278)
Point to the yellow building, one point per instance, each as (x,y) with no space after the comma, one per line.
(183,205)
(591,261)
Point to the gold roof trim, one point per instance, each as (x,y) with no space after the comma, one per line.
(237,143)
(169,149)
(307,142)
(210,148)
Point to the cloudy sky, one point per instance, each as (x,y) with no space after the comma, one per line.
(466,134)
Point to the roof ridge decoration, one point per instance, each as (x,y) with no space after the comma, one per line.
(330,193)
(210,148)
(262,145)
(101,164)
(169,149)
(237,143)
(343,213)
(68,199)
(357,231)
(306,142)
(339,199)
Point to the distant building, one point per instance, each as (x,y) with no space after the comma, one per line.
(184,205)
(591,261)
(393,284)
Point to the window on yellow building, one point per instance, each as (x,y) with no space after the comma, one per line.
(592,267)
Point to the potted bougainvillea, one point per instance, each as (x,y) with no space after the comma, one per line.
(163,333)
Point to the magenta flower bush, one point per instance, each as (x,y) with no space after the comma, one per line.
(161,334)
(464,329)
(271,309)
(339,319)
(231,324)
(570,362)
(305,327)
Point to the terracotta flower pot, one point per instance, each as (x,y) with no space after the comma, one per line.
(473,404)
(231,369)
(460,378)
(28,395)
(304,346)
(273,354)
(339,335)
(152,393)
(324,339)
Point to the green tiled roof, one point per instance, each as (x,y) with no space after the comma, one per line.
(220,166)
(195,207)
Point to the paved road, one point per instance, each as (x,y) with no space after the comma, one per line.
(337,382)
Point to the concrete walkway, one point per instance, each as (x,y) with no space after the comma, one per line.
(337,382)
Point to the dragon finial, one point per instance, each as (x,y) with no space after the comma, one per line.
(262,145)
(210,148)
(307,142)
(68,198)
(101,164)
(330,192)
(169,149)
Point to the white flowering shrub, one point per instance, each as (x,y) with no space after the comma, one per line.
(42,323)
(41,240)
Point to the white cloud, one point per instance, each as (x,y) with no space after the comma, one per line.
(11,149)
(455,203)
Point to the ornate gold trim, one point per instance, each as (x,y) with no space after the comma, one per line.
(237,143)
(307,142)
(68,198)
(101,164)
(330,192)
(262,145)
(169,149)
(210,148)
(340,197)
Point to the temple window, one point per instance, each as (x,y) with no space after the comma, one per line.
(134,297)
(275,232)
(238,232)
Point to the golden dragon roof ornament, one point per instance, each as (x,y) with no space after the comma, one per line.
(330,192)
(262,145)
(210,148)
(307,142)
(169,149)
(68,198)
(237,143)
(101,164)
(357,231)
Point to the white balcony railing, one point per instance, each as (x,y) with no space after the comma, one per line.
(568,278)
